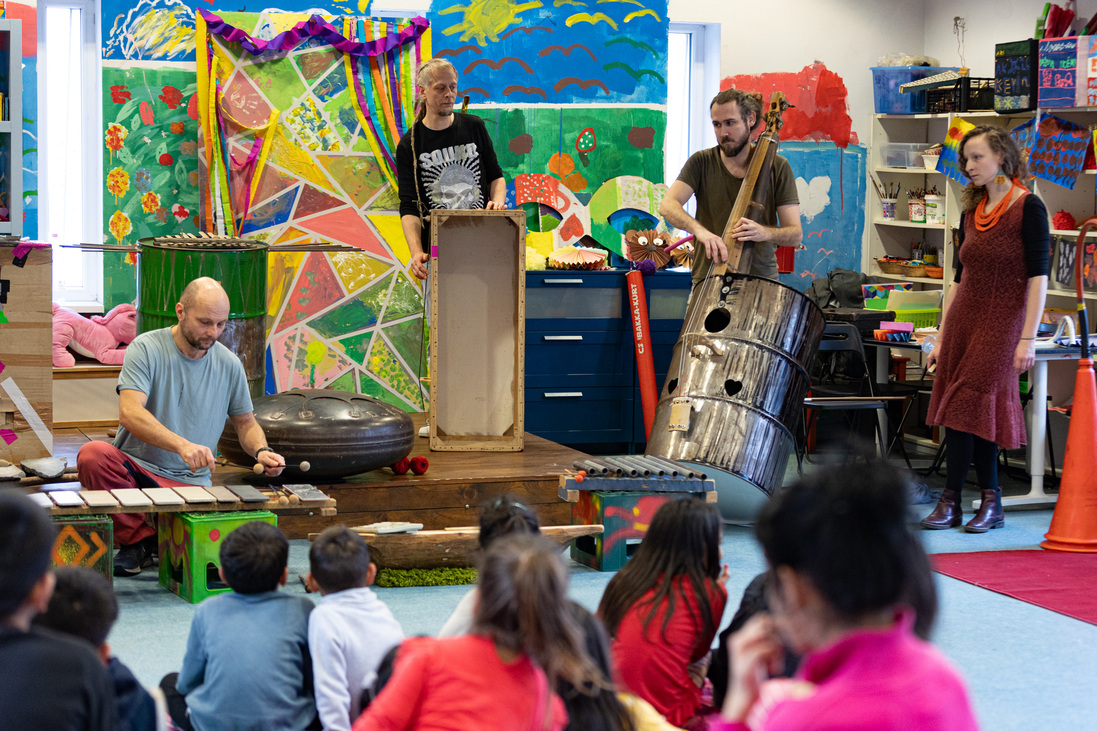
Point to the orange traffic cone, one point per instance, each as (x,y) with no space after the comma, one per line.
(1074,524)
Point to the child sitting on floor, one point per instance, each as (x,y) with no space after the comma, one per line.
(351,630)
(600,708)
(501,676)
(663,608)
(83,605)
(501,517)
(247,662)
(49,680)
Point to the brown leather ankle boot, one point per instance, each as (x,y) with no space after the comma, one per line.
(990,513)
(947,514)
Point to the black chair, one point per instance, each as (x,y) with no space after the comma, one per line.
(835,388)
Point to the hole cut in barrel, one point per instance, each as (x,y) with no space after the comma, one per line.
(672,385)
(732,387)
(717,320)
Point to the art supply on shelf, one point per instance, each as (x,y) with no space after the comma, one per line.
(935,209)
(917,209)
(887,207)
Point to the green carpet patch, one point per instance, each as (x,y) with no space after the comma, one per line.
(390,578)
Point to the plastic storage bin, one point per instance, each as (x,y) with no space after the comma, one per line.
(886,81)
(903,154)
(920,318)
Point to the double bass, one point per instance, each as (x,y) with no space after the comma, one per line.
(740,369)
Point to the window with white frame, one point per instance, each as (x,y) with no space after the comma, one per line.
(693,79)
(70,166)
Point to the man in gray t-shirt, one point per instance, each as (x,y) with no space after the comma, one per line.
(175,390)
(715,176)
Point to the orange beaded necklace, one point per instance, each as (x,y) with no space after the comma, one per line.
(985,221)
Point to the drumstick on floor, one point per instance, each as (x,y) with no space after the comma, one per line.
(260,469)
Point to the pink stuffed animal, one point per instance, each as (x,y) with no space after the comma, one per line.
(98,337)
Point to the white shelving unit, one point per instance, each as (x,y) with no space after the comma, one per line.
(885,237)
(11,125)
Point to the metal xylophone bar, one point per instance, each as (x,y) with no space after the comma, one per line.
(590,467)
(625,469)
(607,468)
(644,469)
(672,469)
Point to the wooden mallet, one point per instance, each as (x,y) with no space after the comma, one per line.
(260,469)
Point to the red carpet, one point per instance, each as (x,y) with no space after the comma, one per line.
(1062,582)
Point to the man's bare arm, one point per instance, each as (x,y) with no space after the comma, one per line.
(140,422)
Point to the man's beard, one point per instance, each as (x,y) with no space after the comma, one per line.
(196,343)
(732,149)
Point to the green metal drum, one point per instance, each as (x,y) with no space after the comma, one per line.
(164,269)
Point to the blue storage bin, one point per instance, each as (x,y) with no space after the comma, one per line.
(886,81)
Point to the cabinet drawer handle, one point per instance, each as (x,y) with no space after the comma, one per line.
(564,394)
(563,337)
(563,281)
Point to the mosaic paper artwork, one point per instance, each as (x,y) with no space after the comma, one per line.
(349,320)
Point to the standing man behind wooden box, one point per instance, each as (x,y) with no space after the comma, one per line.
(446,161)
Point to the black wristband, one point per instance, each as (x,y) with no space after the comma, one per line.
(262,449)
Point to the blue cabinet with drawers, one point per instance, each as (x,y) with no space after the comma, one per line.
(581,382)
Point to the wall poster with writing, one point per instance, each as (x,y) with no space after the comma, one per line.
(1015,76)
(1061,62)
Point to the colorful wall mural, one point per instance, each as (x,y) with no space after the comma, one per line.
(585,168)
(829,165)
(150,161)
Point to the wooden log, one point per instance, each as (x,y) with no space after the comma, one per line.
(430,549)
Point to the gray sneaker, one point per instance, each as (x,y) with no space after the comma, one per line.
(132,558)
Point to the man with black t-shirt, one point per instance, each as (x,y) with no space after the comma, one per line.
(445,161)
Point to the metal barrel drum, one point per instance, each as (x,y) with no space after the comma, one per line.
(743,360)
(165,268)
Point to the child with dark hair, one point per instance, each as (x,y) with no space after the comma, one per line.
(351,630)
(598,708)
(501,517)
(83,605)
(247,662)
(501,676)
(50,680)
(663,607)
(846,577)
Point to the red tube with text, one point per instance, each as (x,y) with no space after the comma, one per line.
(641,333)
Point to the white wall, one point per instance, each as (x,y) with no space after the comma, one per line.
(849,36)
(1005,20)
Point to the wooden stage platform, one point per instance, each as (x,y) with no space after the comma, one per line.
(450,494)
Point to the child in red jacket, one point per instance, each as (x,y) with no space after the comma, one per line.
(663,608)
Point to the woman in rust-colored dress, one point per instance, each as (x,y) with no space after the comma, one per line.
(988,324)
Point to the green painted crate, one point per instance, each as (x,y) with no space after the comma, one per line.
(190,545)
(85,540)
(625,517)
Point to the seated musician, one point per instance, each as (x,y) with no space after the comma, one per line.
(715,176)
(177,386)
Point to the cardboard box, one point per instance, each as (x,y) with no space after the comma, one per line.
(26,351)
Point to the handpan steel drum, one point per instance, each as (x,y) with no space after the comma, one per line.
(338,433)
(743,360)
(165,269)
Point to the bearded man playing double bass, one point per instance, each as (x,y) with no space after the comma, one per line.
(715,176)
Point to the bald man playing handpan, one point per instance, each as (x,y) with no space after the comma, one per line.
(175,390)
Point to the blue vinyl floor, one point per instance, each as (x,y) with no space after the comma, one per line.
(1027,667)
